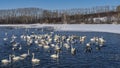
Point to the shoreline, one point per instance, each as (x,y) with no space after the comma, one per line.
(111,28)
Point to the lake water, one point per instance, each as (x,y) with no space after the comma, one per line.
(107,57)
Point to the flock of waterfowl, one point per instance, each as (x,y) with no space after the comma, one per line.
(49,40)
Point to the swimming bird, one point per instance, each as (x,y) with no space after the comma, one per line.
(55,56)
(6,61)
(101,41)
(66,45)
(34,60)
(5,39)
(82,39)
(20,47)
(25,54)
(88,48)
(73,50)
(17,58)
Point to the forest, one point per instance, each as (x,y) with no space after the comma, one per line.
(94,15)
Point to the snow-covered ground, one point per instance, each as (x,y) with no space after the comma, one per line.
(112,28)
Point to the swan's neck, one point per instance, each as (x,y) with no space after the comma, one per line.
(33,56)
(28,52)
(71,46)
(57,53)
(60,44)
(9,58)
(13,55)
(20,47)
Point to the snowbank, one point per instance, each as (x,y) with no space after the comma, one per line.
(112,28)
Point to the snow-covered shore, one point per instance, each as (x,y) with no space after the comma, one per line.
(112,28)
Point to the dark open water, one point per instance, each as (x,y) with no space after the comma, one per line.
(107,57)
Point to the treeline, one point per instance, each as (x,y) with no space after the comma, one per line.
(37,15)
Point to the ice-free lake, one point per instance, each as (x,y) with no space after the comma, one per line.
(107,57)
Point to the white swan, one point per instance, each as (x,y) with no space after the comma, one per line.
(52,45)
(93,40)
(36,42)
(20,47)
(72,50)
(66,45)
(15,44)
(34,60)
(57,48)
(88,44)
(39,44)
(13,37)
(46,46)
(55,56)
(16,58)
(5,61)
(5,39)
(82,39)
(101,41)
(25,55)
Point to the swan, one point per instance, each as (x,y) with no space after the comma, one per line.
(5,39)
(88,44)
(46,46)
(101,41)
(13,37)
(36,42)
(12,41)
(29,42)
(68,40)
(82,39)
(63,38)
(15,44)
(88,48)
(39,44)
(50,40)
(52,45)
(55,55)
(25,55)
(20,47)
(5,61)
(73,50)
(13,48)
(34,60)
(57,48)
(93,40)
(16,58)
(66,45)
